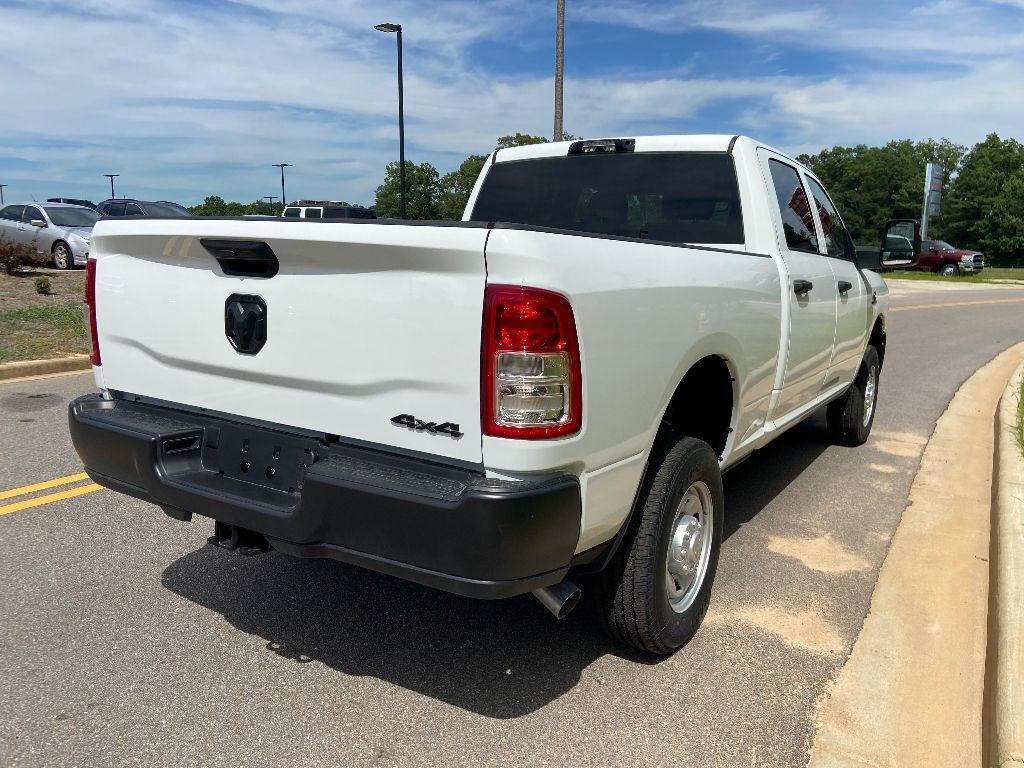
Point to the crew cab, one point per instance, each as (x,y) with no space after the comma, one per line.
(543,393)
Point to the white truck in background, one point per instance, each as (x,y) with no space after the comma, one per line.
(545,391)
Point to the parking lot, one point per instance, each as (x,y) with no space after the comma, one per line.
(128,640)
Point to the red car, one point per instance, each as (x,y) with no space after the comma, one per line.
(940,256)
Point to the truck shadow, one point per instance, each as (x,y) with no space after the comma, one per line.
(754,483)
(501,659)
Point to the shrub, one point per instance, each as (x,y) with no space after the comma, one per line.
(43,285)
(15,256)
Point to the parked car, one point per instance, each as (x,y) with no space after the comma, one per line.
(939,256)
(72,201)
(152,209)
(326,209)
(550,388)
(63,231)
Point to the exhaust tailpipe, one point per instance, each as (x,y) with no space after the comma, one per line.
(559,598)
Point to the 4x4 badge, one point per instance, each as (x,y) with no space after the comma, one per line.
(405,420)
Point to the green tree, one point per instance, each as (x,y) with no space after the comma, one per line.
(970,219)
(1007,238)
(457,186)
(215,205)
(422,191)
(520,140)
(873,184)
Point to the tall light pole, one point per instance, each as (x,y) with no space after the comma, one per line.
(111,176)
(2,192)
(397,28)
(282,166)
(559,66)
(270,200)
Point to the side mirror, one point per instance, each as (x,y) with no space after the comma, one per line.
(901,243)
(38,223)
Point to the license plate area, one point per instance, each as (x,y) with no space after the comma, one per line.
(262,457)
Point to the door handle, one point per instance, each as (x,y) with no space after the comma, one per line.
(844,286)
(800,287)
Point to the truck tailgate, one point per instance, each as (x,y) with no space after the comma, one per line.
(364,322)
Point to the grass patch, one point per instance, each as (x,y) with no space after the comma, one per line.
(32,333)
(987,275)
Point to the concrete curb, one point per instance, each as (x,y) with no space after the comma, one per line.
(22,368)
(1005,688)
(913,691)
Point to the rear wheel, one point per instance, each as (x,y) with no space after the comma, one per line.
(950,270)
(62,258)
(656,590)
(850,417)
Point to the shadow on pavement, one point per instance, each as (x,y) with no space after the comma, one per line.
(501,659)
(752,485)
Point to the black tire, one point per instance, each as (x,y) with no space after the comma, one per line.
(849,422)
(62,256)
(632,599)
(949,270)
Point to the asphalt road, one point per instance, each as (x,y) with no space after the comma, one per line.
(126,640)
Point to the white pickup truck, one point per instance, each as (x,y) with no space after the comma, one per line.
(545,391)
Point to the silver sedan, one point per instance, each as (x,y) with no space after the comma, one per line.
(63,231)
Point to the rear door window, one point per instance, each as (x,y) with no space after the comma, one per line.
(314,213)
(114,209)
(291,213)
(12,212)
(674,197)
(833,231)
(794,207)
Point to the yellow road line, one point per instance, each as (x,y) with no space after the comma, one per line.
(954,304)
(42,486)
(38,501)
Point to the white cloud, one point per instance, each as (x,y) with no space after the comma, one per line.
(186,100)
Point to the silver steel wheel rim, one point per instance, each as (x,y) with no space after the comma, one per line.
(60,257)
(689,546)
(870,392)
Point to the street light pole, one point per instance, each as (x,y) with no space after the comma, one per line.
(111,176)
(282,166)
(397,28)
(559,66)
(270,199)
(2,192)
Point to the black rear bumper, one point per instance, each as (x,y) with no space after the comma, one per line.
(443,526)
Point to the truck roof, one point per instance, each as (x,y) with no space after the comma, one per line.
(722,142)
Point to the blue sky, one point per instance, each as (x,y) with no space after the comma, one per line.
(187,98)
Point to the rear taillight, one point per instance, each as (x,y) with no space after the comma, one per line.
(530,371)
(90,299)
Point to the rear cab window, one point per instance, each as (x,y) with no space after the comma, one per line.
(672,197)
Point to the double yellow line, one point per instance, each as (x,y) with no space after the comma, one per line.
(38,501)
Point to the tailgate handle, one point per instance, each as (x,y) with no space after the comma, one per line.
(242,258)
